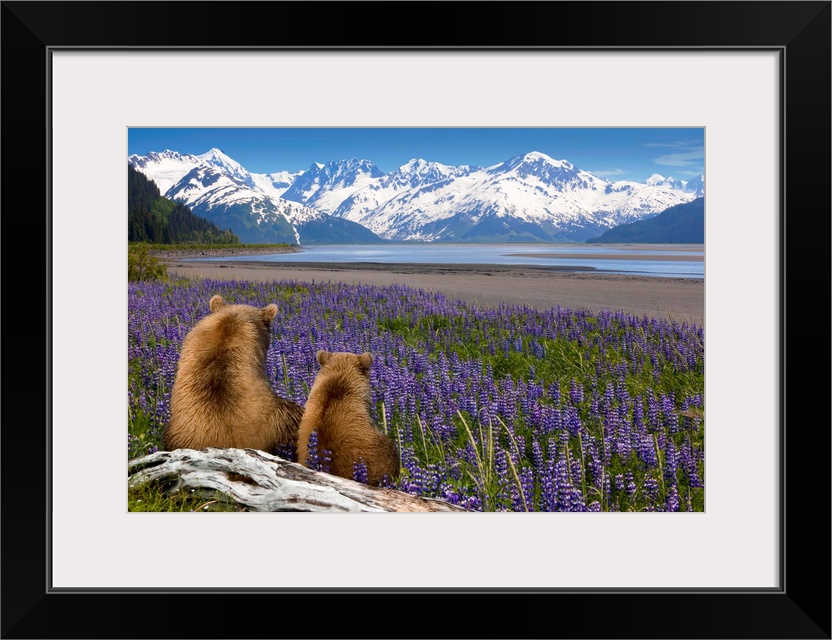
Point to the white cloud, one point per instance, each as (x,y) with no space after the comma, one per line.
(684,154)
(681,159)
(678,144)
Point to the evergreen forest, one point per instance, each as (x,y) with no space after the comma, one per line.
(155,219)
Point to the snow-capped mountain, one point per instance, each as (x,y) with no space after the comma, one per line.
(530,197)
(165,168)
(681,223)
(275,184)
(219,189)
(325,186)
(696,186)
(658,180)
(414,174)
(231,203)
(217,159)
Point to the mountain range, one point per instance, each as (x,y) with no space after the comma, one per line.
(219,189)
(527,198)
(681,223)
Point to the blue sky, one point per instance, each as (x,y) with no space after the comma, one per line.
(613,153)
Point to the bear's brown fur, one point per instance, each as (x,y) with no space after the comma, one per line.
(221,396)
(338,408)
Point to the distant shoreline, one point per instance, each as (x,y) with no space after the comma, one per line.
(242,250)
(679,299)
(221,251)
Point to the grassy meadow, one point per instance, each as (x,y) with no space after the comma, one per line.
(509,408)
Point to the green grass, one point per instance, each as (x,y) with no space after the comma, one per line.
(153,499)
(496,460)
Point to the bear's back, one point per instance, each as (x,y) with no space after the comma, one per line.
(223,348)
(338,410)
(221,396)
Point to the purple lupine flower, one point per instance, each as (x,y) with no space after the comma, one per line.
(651,488)
(609,395)
(671,417)
(503,479)
(428,376)
(548,490)
(671,463)
(595,466)
(646,450)
(326,460)
(594,406)
(688,462)
(653,409)
(672,499)
(630,483)
(413,480)
(450,495)
(537,457)
(576,392)
(527,482)
(638,414)
(313,461)
(576,471)
(472,503)
(286,451)
(554,393)
(359,471)
(573,421)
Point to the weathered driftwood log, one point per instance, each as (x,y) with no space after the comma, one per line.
(263,482)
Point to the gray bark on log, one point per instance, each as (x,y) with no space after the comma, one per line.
(263,482)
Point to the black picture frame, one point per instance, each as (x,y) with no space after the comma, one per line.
(799,608)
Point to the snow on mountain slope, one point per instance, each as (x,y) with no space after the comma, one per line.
(259,217)
(403,216)
(165,168)
(532,188)
(212,194)
(220,189)
(217,159)
(326,186)
(414,174)
(169,167)
(696,185)
(206,187)
(275,184)
(528,196)
(657,180)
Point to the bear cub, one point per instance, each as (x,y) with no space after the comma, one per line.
(338,408)
(221,396)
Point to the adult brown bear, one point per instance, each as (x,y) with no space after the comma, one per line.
(221,396)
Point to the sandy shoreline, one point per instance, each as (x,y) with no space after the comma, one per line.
(679,299)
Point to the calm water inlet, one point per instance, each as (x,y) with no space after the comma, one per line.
(668,261)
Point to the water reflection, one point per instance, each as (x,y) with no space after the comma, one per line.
(682,261)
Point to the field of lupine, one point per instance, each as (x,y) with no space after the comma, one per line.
(508,408)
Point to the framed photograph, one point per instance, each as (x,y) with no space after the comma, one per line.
(754,75)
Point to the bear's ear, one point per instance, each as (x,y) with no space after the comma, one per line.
(323,357)
(269,312)
(365,360)
(216,303)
